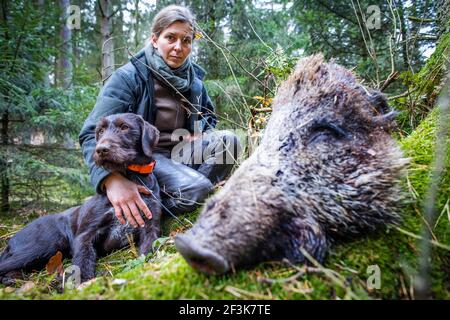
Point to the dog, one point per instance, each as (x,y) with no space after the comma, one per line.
(124,144)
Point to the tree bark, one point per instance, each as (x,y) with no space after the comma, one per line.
(107,42)
(120,40)
(4,175)
(65,69)
(403,30)
(136,24)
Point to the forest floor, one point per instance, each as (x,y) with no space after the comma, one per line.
(344,275)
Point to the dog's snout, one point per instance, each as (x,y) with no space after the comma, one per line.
(103,149)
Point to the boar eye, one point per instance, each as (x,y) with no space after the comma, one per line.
(101,131)
(124,127)
(323,132)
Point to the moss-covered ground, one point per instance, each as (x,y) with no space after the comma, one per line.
(165,275)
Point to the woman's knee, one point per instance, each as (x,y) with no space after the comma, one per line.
(227,141)
(191,197)
(199,190)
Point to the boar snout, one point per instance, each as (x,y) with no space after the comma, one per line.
(200,258)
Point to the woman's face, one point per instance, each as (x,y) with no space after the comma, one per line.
(174,44)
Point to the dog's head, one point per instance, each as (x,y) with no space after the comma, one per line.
(124,139)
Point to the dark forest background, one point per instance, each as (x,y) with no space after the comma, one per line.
(51,74)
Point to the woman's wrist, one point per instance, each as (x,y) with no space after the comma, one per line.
(109,179)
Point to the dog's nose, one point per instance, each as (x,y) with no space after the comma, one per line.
(102,149)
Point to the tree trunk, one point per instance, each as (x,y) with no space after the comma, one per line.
(46,75)
(75,46)
(120,39)
(5,184)
(403,30)
(136,25)
(107,42)
(65,69)
(4,175)
(212,16)
(443,17)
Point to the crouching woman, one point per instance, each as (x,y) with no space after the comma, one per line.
(163,85)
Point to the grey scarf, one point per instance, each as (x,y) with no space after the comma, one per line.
(181,78)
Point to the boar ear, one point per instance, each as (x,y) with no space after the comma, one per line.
(385,119)
(149,138)
(384,115)
(379,102)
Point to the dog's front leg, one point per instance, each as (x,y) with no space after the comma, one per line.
(148,235)
(84,255)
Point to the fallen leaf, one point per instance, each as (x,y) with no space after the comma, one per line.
(55,264)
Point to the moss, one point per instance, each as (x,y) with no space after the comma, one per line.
(423,87)
(165,275)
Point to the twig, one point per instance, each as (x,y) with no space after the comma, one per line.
(416,19)
(404,94)
(392,77)
(239,292)
(257,110)
(331,274)
(415,236)
(304,270)
(446,208)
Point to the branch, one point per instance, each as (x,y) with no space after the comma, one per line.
(392,77)
(416,19)
(257,110)
(427,37)
(101,9)
(404,94)
(45,147)
(112,14)
(340,15)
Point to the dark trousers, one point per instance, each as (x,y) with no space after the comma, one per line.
(187,174)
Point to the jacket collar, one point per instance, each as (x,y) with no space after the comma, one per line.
(140,62)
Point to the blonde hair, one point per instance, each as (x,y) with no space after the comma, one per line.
(171,14)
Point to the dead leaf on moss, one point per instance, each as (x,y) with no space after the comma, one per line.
(55,264)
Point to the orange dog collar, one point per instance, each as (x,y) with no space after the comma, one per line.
(143,168)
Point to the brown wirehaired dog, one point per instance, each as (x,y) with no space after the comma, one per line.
(124,144)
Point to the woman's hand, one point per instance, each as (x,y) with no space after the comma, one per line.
(192,137)
(125,197)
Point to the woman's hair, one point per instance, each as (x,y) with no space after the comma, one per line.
(171,14)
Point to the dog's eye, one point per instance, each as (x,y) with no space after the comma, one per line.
(124,127)
(101,131)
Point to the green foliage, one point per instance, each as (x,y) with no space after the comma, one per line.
(423,87)
(45,163)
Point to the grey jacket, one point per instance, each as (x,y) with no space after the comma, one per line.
(131,89)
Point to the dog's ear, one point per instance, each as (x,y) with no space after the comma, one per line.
(149,138)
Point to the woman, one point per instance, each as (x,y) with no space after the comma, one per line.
(165,87)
